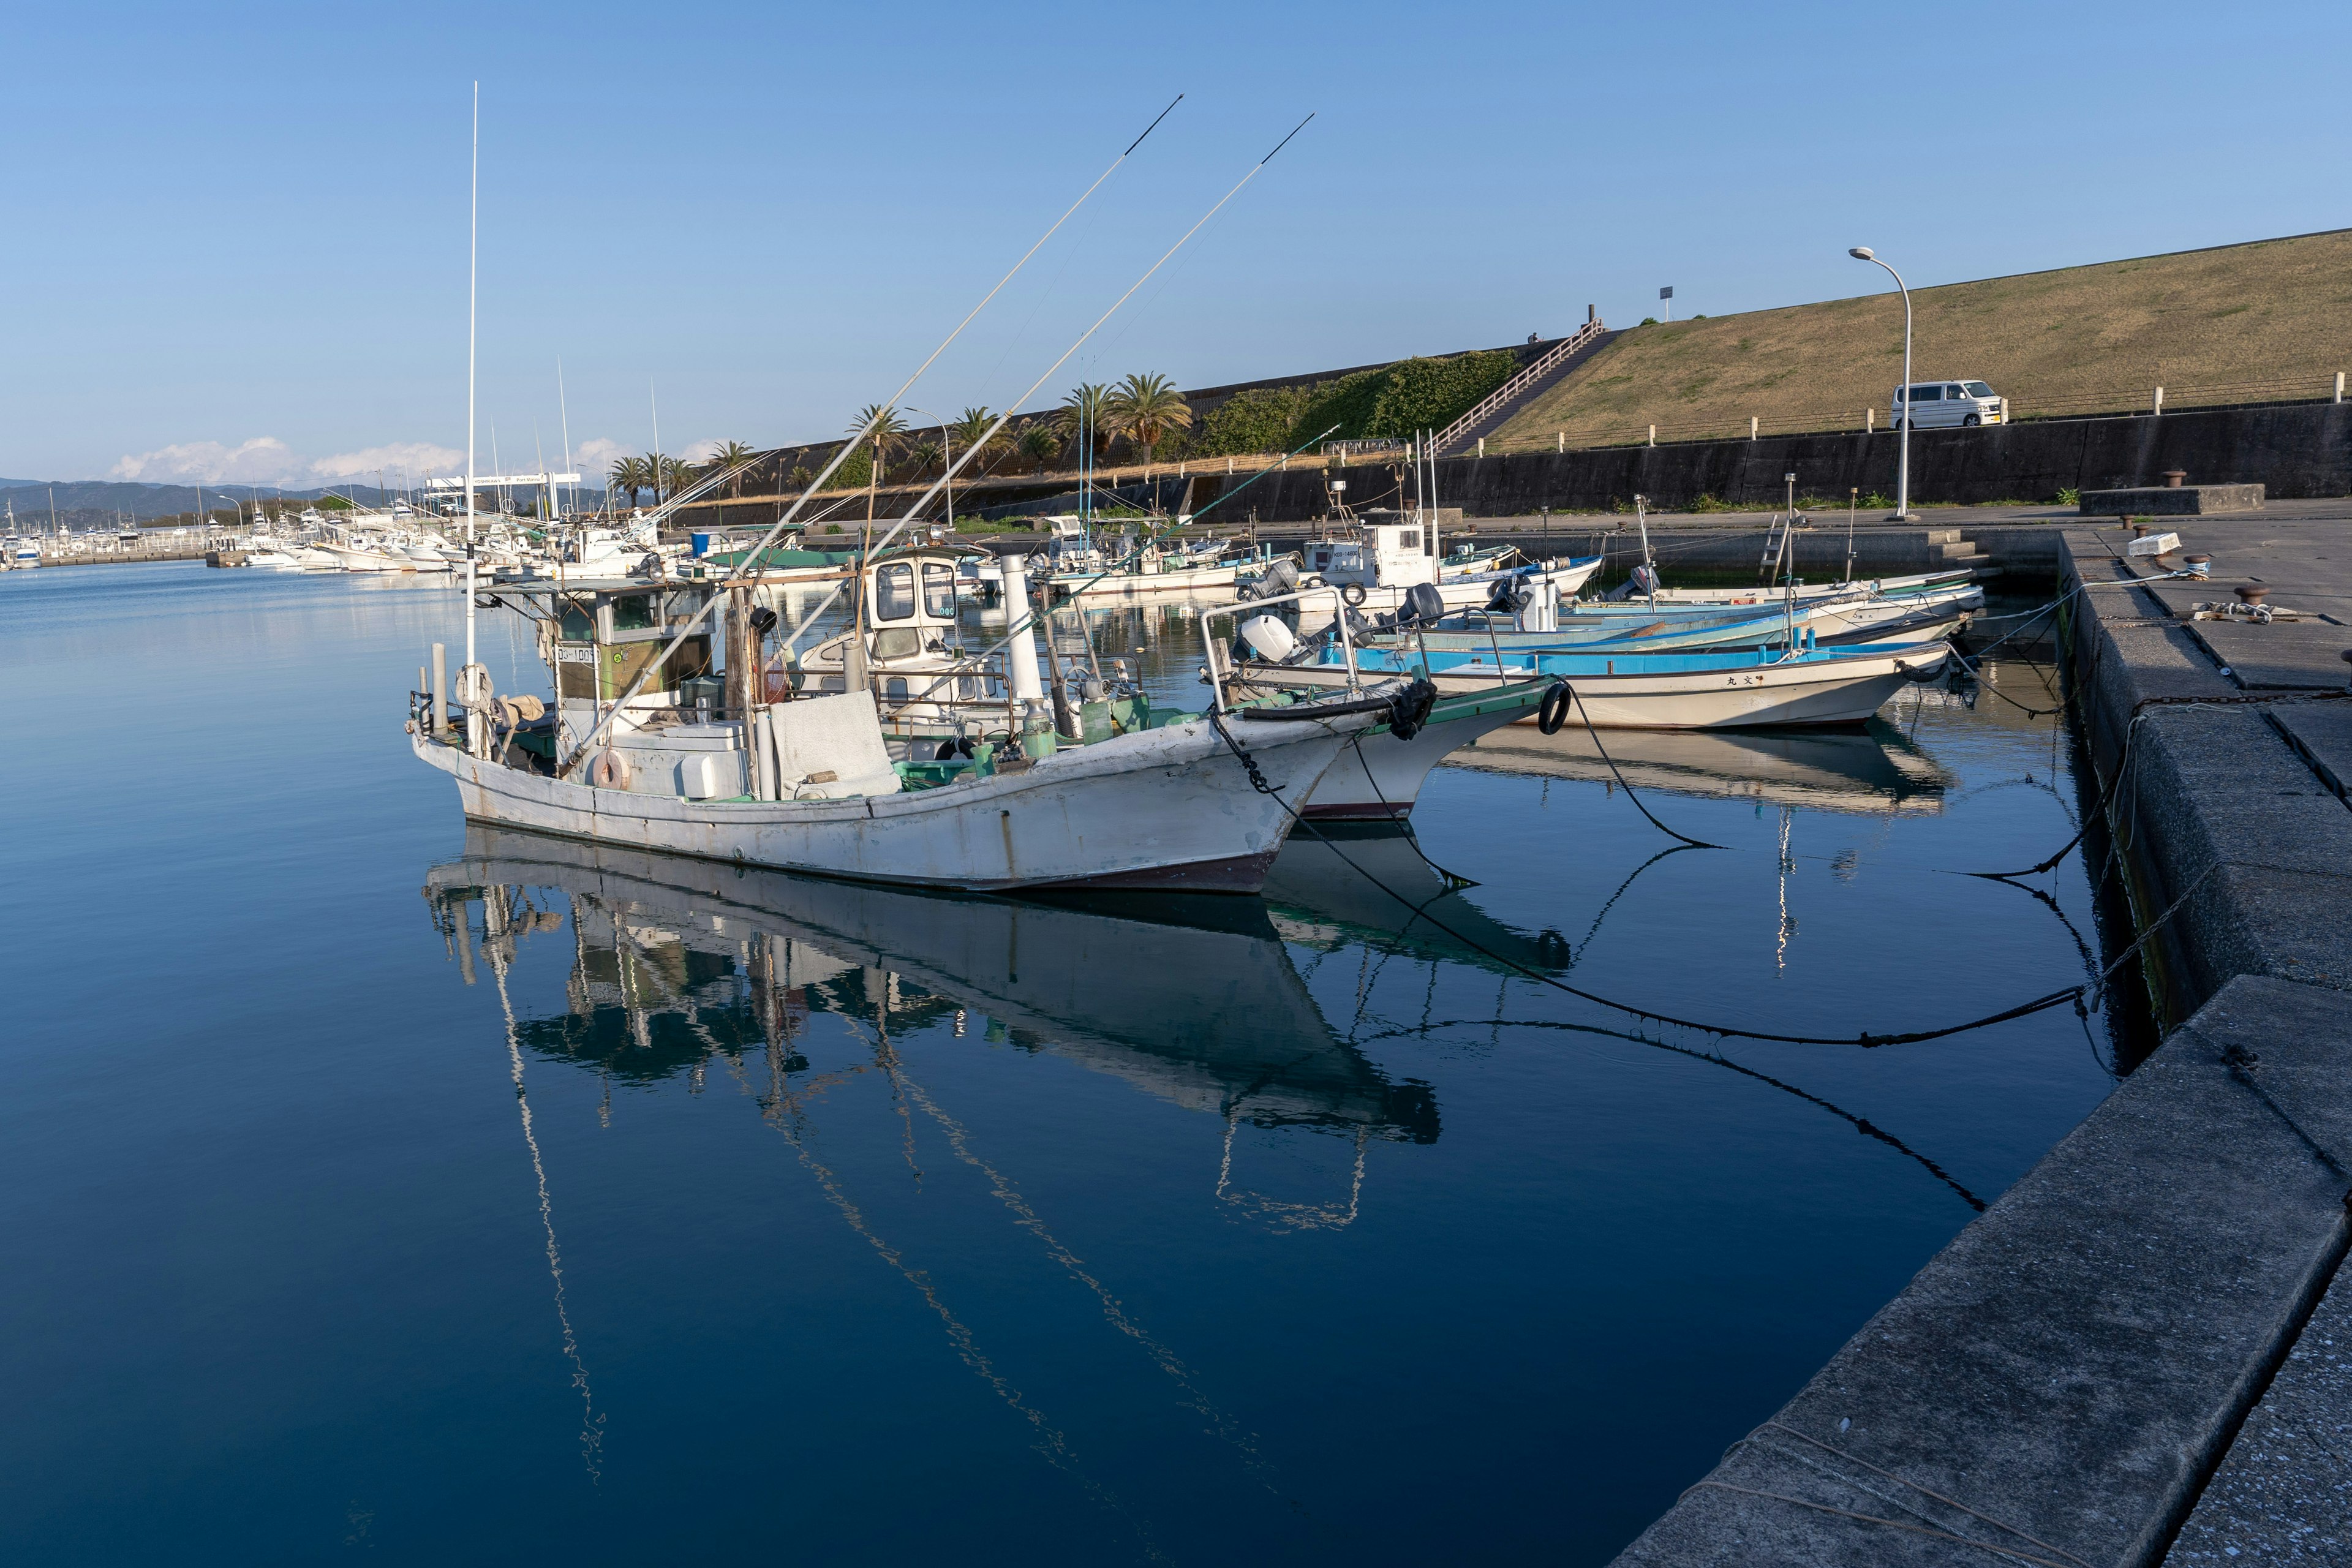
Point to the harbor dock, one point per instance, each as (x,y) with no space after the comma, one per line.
(2136,1355)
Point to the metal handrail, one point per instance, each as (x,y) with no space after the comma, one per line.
(1544,364)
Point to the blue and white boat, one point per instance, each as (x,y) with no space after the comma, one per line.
(1721,689)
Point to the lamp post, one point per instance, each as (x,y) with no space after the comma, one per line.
(1903,458)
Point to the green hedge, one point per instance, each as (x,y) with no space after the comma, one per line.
(1395,400)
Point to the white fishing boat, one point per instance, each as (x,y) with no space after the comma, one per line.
(810,784)
(1374,573)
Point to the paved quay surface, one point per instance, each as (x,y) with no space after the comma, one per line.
(2142,1352)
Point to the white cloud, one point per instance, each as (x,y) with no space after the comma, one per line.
(262,461)
(592,458)
(414,460)
(702,451)
(267,460)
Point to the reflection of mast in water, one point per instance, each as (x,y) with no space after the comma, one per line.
(497,945)
(1788,922)
(1051,1444)
(1280,1214)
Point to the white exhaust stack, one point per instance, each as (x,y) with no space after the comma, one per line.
(1021,651)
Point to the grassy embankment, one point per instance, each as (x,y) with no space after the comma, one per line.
(2241,323)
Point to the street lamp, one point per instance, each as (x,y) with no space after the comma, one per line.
(947,457)
(1903,460)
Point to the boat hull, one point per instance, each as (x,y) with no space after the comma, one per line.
(1377,778)
(1842,690)
(1167,809)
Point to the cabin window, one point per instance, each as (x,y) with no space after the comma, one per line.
(902,642)
(576,626)
(1409,539)
(894,592)
(939,590)
(832,683)
(895,688)
(633,613)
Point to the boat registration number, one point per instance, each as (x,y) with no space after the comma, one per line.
(581,655)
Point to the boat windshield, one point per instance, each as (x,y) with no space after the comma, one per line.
(894,592)
(633,613)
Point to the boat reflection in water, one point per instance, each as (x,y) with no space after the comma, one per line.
(1871,770)
(676,960)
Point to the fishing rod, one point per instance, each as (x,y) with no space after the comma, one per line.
(710,481)
(1030,620)
(974,448)
(881,411)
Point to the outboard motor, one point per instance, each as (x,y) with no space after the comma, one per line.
(1422,606)
(1269,638)
(1511,596)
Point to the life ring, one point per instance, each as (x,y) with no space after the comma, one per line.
(1553,713)
(1351,594)
(608,770)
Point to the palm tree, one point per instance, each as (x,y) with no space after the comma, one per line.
(1039,445)
(732,455)
(628,474)
(925,457)
(677,473)
(883,427)
(1145,408)
(969,430)
(1083,410)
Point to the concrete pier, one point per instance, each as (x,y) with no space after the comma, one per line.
(2143,1351)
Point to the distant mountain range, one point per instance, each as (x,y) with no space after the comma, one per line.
(90,503)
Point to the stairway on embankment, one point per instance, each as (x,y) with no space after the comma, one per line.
(1547,371)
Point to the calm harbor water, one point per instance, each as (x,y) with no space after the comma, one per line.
(378,1187)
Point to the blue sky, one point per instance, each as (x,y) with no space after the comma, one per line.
(239,239)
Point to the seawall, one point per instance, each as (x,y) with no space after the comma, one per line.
(2127,1359)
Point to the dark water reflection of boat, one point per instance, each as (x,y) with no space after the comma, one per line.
(1194,1000)
(1871,770)
(1371,883)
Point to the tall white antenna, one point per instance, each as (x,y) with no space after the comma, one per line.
(564,411)
(657,451)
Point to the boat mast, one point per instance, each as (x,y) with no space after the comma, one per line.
(473,253)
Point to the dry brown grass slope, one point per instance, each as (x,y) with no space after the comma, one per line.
(2232,324)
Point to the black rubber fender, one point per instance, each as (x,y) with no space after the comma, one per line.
(1409,709)
(1553,714)
(1351,594)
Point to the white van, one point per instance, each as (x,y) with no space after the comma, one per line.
(1947,403)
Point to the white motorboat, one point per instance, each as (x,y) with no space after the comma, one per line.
(362,553)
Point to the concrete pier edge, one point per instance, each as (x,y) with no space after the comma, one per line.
(2109,1360)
